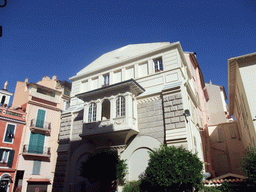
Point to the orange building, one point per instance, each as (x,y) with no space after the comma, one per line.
(12,122)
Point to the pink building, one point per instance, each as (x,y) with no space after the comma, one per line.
(12,122)
(45,101)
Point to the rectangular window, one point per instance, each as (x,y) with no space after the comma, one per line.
(36,143)
(158,64)
(36,167)
(9,133)
(6,157)
(105,80)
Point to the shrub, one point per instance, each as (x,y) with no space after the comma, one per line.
(133,186)
(249,167)
(104,167)
(172,169)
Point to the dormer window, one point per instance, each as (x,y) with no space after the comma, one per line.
(105,80)
(158,64)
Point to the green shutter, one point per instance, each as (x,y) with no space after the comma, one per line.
(10,159)
(36,143)
(40,118)
(9,133)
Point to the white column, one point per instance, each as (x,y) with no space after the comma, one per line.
(128,108)
(150,66)
(111,77)
(123,74)
(100,81)
(89,84)
(136,72)
(99,110)
(86,109)
(112,107)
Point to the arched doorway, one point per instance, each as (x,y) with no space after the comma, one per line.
(5,181)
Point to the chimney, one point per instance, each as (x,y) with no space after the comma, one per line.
(26,80)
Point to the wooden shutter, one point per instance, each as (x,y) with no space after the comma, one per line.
(36,143)
(10,159)
(9,132)
(40,118)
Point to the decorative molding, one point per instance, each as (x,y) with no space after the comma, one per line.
(119,122)
(149,99)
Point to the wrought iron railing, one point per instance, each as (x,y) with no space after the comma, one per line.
(37,149)
(40,124)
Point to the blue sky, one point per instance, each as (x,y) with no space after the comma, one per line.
(61,37)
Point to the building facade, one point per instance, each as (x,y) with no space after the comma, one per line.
(12,122)
(131,100)
(226,146)
(44,102)
(242,101)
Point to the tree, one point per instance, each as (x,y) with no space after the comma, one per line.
(104,167)
(249,167)
(172,169)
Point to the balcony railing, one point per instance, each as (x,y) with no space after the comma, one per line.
(36,150)
(40,127)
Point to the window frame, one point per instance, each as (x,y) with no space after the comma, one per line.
(9,156)
(158,66)
(6,131)
(106,80)
(92,112)
(36,167)
(120,106)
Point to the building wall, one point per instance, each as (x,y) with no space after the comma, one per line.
(227,148)
(159,111)
(247,72)
(10,116)
(52,105)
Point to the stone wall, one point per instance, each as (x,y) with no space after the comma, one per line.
(150,118)
(175,122)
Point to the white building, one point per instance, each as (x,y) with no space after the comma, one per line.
(241,87)
(132,100)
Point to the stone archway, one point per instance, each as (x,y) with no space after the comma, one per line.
(137,156)
(74,182)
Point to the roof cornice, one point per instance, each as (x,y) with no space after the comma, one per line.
(175,44)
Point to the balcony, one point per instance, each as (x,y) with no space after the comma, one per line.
(36,127)
(114,131)
(32,151)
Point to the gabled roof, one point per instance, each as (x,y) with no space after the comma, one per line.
(122,54)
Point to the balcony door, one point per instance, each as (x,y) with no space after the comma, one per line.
(36,142)
(40,118)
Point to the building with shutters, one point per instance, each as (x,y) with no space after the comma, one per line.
(44,102)
(12,122)
(131,100)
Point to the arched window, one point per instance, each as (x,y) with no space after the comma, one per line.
(120,106)
(92,112)
(105,110)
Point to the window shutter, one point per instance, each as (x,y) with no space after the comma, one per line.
(40,118)
(10,159)
(36,143)
(9,131)
(1,154)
